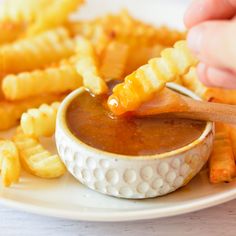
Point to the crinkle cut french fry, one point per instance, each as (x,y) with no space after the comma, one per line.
(92,31)
(12,31)
(232,136)
(51,80)
(37,160)
(222,163)
(9,163)
(168,37)
(150,78)
(33,53)
(145,33)
(1,95)
(40,121)
(124,29)
(86,66)
(140,55)
(227,96)
(114,60)
(10,112)
(191,81)
(1,92)
(56,14)
(22,11)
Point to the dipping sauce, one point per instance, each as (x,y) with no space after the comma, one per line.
(92,123)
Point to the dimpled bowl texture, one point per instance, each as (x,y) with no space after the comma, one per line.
(131,177)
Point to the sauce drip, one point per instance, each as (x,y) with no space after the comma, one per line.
(90,121)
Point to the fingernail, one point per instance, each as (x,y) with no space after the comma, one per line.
(201,68)
(194,39)
(202,74)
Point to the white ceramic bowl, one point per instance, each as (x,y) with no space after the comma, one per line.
(131,177)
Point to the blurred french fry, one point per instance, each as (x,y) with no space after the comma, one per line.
(12,31)
(81,28)
(37,160)
(168,37)
(9,163)
(90,30)
(114,60)
(227,96)
(25,11)
(36,52)
(178,80)
(51,80)
(40,121)
(126,28)
(1,92)
(86,66)
(222,163)
(191,81)
(56,14)
(10,112)
(140,55)
(122,27)
(232,135)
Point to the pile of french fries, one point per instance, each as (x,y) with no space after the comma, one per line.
(44,55)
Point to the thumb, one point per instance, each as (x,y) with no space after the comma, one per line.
(214,43)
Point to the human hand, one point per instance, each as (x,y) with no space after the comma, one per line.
(212,37)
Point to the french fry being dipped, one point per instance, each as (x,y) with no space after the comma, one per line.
(142,84)
(222,163)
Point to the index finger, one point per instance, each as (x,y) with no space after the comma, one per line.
(202,10)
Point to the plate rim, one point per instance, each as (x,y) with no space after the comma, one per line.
(115,216)
(130,215)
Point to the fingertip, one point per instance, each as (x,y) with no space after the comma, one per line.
(189,16)
(187,20)
(214,77)
(213,43)
(202,10)
(221,78)
(202,74)
(197,12)
(195,38)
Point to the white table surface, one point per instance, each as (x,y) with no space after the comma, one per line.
(219,220)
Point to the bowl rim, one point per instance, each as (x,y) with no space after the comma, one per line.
(62,124)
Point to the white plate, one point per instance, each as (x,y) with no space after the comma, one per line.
(67,198)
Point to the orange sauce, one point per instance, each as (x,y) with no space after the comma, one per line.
(91,122)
